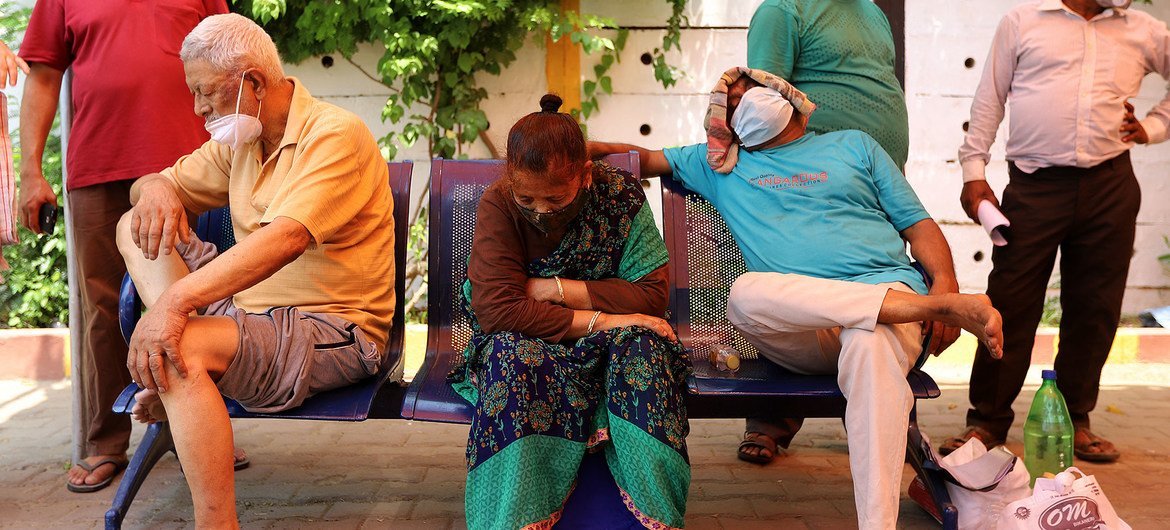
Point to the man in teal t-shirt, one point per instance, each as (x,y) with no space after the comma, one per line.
(840,53)
(822,221)
(835,203)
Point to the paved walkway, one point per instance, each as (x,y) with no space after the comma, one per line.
(399,474)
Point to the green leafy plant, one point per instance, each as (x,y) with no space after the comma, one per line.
(416,270)
(35,292)
(1050,315)
(435,48)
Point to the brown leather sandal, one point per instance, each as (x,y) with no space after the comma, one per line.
(989,440)
(765,443)
(1092,448)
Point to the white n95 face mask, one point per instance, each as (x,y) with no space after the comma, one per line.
(1115,4)
(761,115)
(236,130)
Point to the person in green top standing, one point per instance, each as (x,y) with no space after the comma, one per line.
(841,54)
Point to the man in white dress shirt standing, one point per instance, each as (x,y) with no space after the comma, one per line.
(1068,68)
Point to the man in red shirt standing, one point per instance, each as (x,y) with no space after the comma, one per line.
(131,116)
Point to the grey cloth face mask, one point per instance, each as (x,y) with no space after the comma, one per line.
(550,222)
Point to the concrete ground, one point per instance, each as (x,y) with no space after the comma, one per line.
(400,474)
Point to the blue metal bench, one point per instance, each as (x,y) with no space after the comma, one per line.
(704,262)
(695,234)
(371,398)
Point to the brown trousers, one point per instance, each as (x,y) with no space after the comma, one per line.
(95,212)
(1090,215)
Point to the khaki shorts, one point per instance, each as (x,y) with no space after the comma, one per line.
(285,355)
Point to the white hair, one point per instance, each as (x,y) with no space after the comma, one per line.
(232,44)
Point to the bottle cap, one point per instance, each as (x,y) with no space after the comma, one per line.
(1048,375)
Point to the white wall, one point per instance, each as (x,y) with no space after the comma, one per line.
(940,36)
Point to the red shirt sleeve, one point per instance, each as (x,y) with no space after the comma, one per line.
(48,40)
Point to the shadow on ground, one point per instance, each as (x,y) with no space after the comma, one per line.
(399,474)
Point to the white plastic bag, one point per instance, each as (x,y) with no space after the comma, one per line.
(982,483)
(1070,501)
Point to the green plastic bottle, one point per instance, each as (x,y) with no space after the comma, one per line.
(1048,433)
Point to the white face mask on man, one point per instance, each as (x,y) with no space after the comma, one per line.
(1115,4)
(762,115)
(236,130)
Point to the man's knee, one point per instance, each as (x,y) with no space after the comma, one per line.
(210,344)
(125,237)
(890,348)
(743,299)
(754,293)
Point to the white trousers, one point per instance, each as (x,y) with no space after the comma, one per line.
(817,326)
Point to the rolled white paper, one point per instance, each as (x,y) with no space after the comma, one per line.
(993,220)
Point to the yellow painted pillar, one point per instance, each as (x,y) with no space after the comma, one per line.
(563,66)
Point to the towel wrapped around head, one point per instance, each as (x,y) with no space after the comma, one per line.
(722,153)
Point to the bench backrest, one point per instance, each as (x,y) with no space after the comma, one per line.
(215,227)
(705,260)
(456,187)
(400,178)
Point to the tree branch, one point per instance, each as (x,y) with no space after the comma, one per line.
(372,78)
(487,140)
(434,110)
(422,289)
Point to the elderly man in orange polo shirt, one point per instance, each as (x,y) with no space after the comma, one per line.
(302,303)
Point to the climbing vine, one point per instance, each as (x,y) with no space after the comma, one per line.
(434,49)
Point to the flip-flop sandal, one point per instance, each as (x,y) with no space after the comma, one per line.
(1097,449)
(989,440)
(766,444)
(118,463)
(239,464)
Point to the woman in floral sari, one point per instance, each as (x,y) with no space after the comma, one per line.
(577,380)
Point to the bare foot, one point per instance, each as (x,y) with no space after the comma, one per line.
(974,313)
(241,458)
(148,407)
(78,476)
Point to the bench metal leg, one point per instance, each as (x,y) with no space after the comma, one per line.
(928,472)
(155,443)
